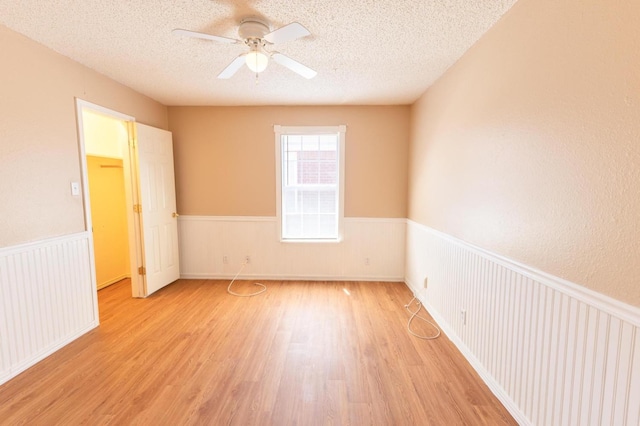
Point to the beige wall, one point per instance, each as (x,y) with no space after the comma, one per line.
(39,151)
(225,157)
(530,145)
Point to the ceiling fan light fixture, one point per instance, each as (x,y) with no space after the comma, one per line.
(256,61)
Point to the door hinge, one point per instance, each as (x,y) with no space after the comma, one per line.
(142,270)
(137,208)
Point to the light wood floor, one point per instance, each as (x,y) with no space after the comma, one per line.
(302,353)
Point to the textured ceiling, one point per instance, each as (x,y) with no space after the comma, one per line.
(365,51)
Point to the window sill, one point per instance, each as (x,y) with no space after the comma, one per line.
(311,241)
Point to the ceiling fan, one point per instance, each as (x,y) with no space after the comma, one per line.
(256,34)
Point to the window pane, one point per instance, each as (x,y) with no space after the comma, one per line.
(309,201)
(292,226)
(328,226)
(329,142)
(310,186)
(307,170)
(327,202)
(310,226)
(294,142)
(291,173)
(328,172)
(290,201)
(310,142)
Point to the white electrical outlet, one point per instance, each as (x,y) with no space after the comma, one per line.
(463,316)
(225,259)
(247,259)
(366,261)
(426,282)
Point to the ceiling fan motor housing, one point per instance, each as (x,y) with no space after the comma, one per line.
(252,29)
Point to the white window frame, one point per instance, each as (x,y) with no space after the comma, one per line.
(310,130)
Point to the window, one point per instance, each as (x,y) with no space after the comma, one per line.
(310,170)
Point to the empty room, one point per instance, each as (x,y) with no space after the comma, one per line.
(320,212)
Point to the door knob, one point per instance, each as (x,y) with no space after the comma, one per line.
(174,214)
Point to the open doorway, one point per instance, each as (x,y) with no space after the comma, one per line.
(108,175)
(105,142)
(110,140)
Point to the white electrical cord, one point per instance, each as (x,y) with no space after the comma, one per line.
(414,315)
(245,295)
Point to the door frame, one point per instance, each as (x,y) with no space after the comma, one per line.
(132,193)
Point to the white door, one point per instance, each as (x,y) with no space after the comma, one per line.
(158,201)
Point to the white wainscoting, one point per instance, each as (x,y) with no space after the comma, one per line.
(372,250)
(555,353)
(47,299)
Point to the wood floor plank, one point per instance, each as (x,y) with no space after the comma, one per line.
(303,353)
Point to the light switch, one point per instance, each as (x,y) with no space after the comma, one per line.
(75,188)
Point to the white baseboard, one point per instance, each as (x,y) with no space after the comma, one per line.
(290,277)
(112,281)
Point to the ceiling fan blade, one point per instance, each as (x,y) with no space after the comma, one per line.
(232,68)
(289,32)
(194,34)
(293,65)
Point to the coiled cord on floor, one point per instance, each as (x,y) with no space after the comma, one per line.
(264,287)
(415,315)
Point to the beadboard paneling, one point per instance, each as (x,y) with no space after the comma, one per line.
(554,352)
(47,299)
(206,241)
